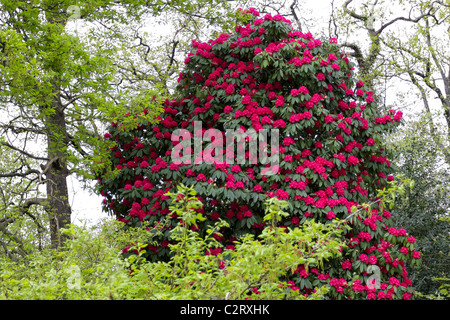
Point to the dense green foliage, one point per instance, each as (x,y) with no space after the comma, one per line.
(91,265)
(424,209)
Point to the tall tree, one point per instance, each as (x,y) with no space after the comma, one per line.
(56,88)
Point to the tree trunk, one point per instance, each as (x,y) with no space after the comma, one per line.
(56,173)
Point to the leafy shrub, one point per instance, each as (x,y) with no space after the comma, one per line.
(266,77)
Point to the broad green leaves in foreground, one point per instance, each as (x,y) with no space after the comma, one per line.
(91,265)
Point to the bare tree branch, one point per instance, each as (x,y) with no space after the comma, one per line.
(384,26)
(17,173)
(17,240)
(294,14)
(22,151)
(353,13)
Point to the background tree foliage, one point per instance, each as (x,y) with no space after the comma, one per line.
(423,208)
(21,225)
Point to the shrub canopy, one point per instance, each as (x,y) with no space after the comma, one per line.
(267,77)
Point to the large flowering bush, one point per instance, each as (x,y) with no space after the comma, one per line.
(266,76)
